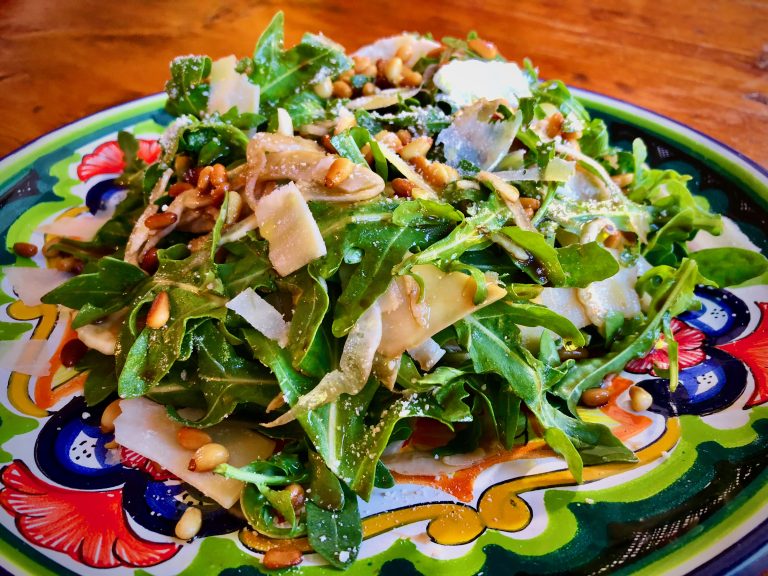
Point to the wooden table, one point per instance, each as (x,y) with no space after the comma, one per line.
(702,63)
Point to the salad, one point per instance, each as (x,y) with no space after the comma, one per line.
(334,249)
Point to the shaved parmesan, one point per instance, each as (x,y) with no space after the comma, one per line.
(30,284)
(261,315)
(383,99)
(284,122)
(29,357)
(145,428)
(563,301)
(448,297)
(386,48)
(614,294)
(290,229)
(464,81)
(731,236)
(427,354)
(102,336)
(229,88)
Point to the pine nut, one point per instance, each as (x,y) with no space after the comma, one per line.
(483,48)
(390,140)
(411,79)
(297,495)
(25,249)
(369,89)
(405,51)
(192,438)
(530,203)
(178,188)
(160,311)
(555,124)
(111,445)
(204,177)
(189,524)
(282,557)
(595,397)
(72,352)
(160,220)
(439,174)
(361,63)
(420,163)
(327,144)
(111,412)
(402,187)
(346,76)
(339,171)
(640,399)
(623,180)
(207,457)
(341,89)
(405,136)
(234,208)
(218,175)
(149,262)
(371,71)
(393,69)
(416,147)
(324,88)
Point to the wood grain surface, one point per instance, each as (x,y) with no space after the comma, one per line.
(703,63)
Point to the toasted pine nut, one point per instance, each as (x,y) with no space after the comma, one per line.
(390,140)
(111,412)
(623,180)
(483,48)
(346,76)
(367,153)
(160,311)
(411,79)
(204,178)
(594,397)
(234,208)
(207,457)
(324,88)
(327,144)
(439,174)
(640,399)
(555,124)
(218,175)
(160,220)
(370,71)
(149,261)
(189,524)
(192,438)
(25,249)
(393,69)
(179,187)
(530,203)
(405,136)
(361,63)
(111,445)
(339,171)
(297,494)
(421,163)
(405,51)
(341,89)
(282,557)
(403,187)
(275,403)
(416,147)
(369,89)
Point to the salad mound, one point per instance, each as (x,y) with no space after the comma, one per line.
(333,248)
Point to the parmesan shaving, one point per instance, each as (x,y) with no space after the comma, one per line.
(29,357)
(31,284)
(261,315)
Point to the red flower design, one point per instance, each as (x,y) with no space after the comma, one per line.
(88,526)
(108,158)
(689,341)
(131,459)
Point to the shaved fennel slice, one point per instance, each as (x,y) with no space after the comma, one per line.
(30,284)
(354,367)
(427,354)
(287,224)
(261,315)
(145,428)
(140,233)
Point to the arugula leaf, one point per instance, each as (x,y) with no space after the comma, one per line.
(247,266)
(187,93)
(281,74)
(100,293)
(730,266)
(528,314)
(101,381)
(336,535)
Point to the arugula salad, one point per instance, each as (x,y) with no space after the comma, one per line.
(333,249)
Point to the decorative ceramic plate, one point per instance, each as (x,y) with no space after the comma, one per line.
(695,503)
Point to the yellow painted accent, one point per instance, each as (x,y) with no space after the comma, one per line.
(18,384)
